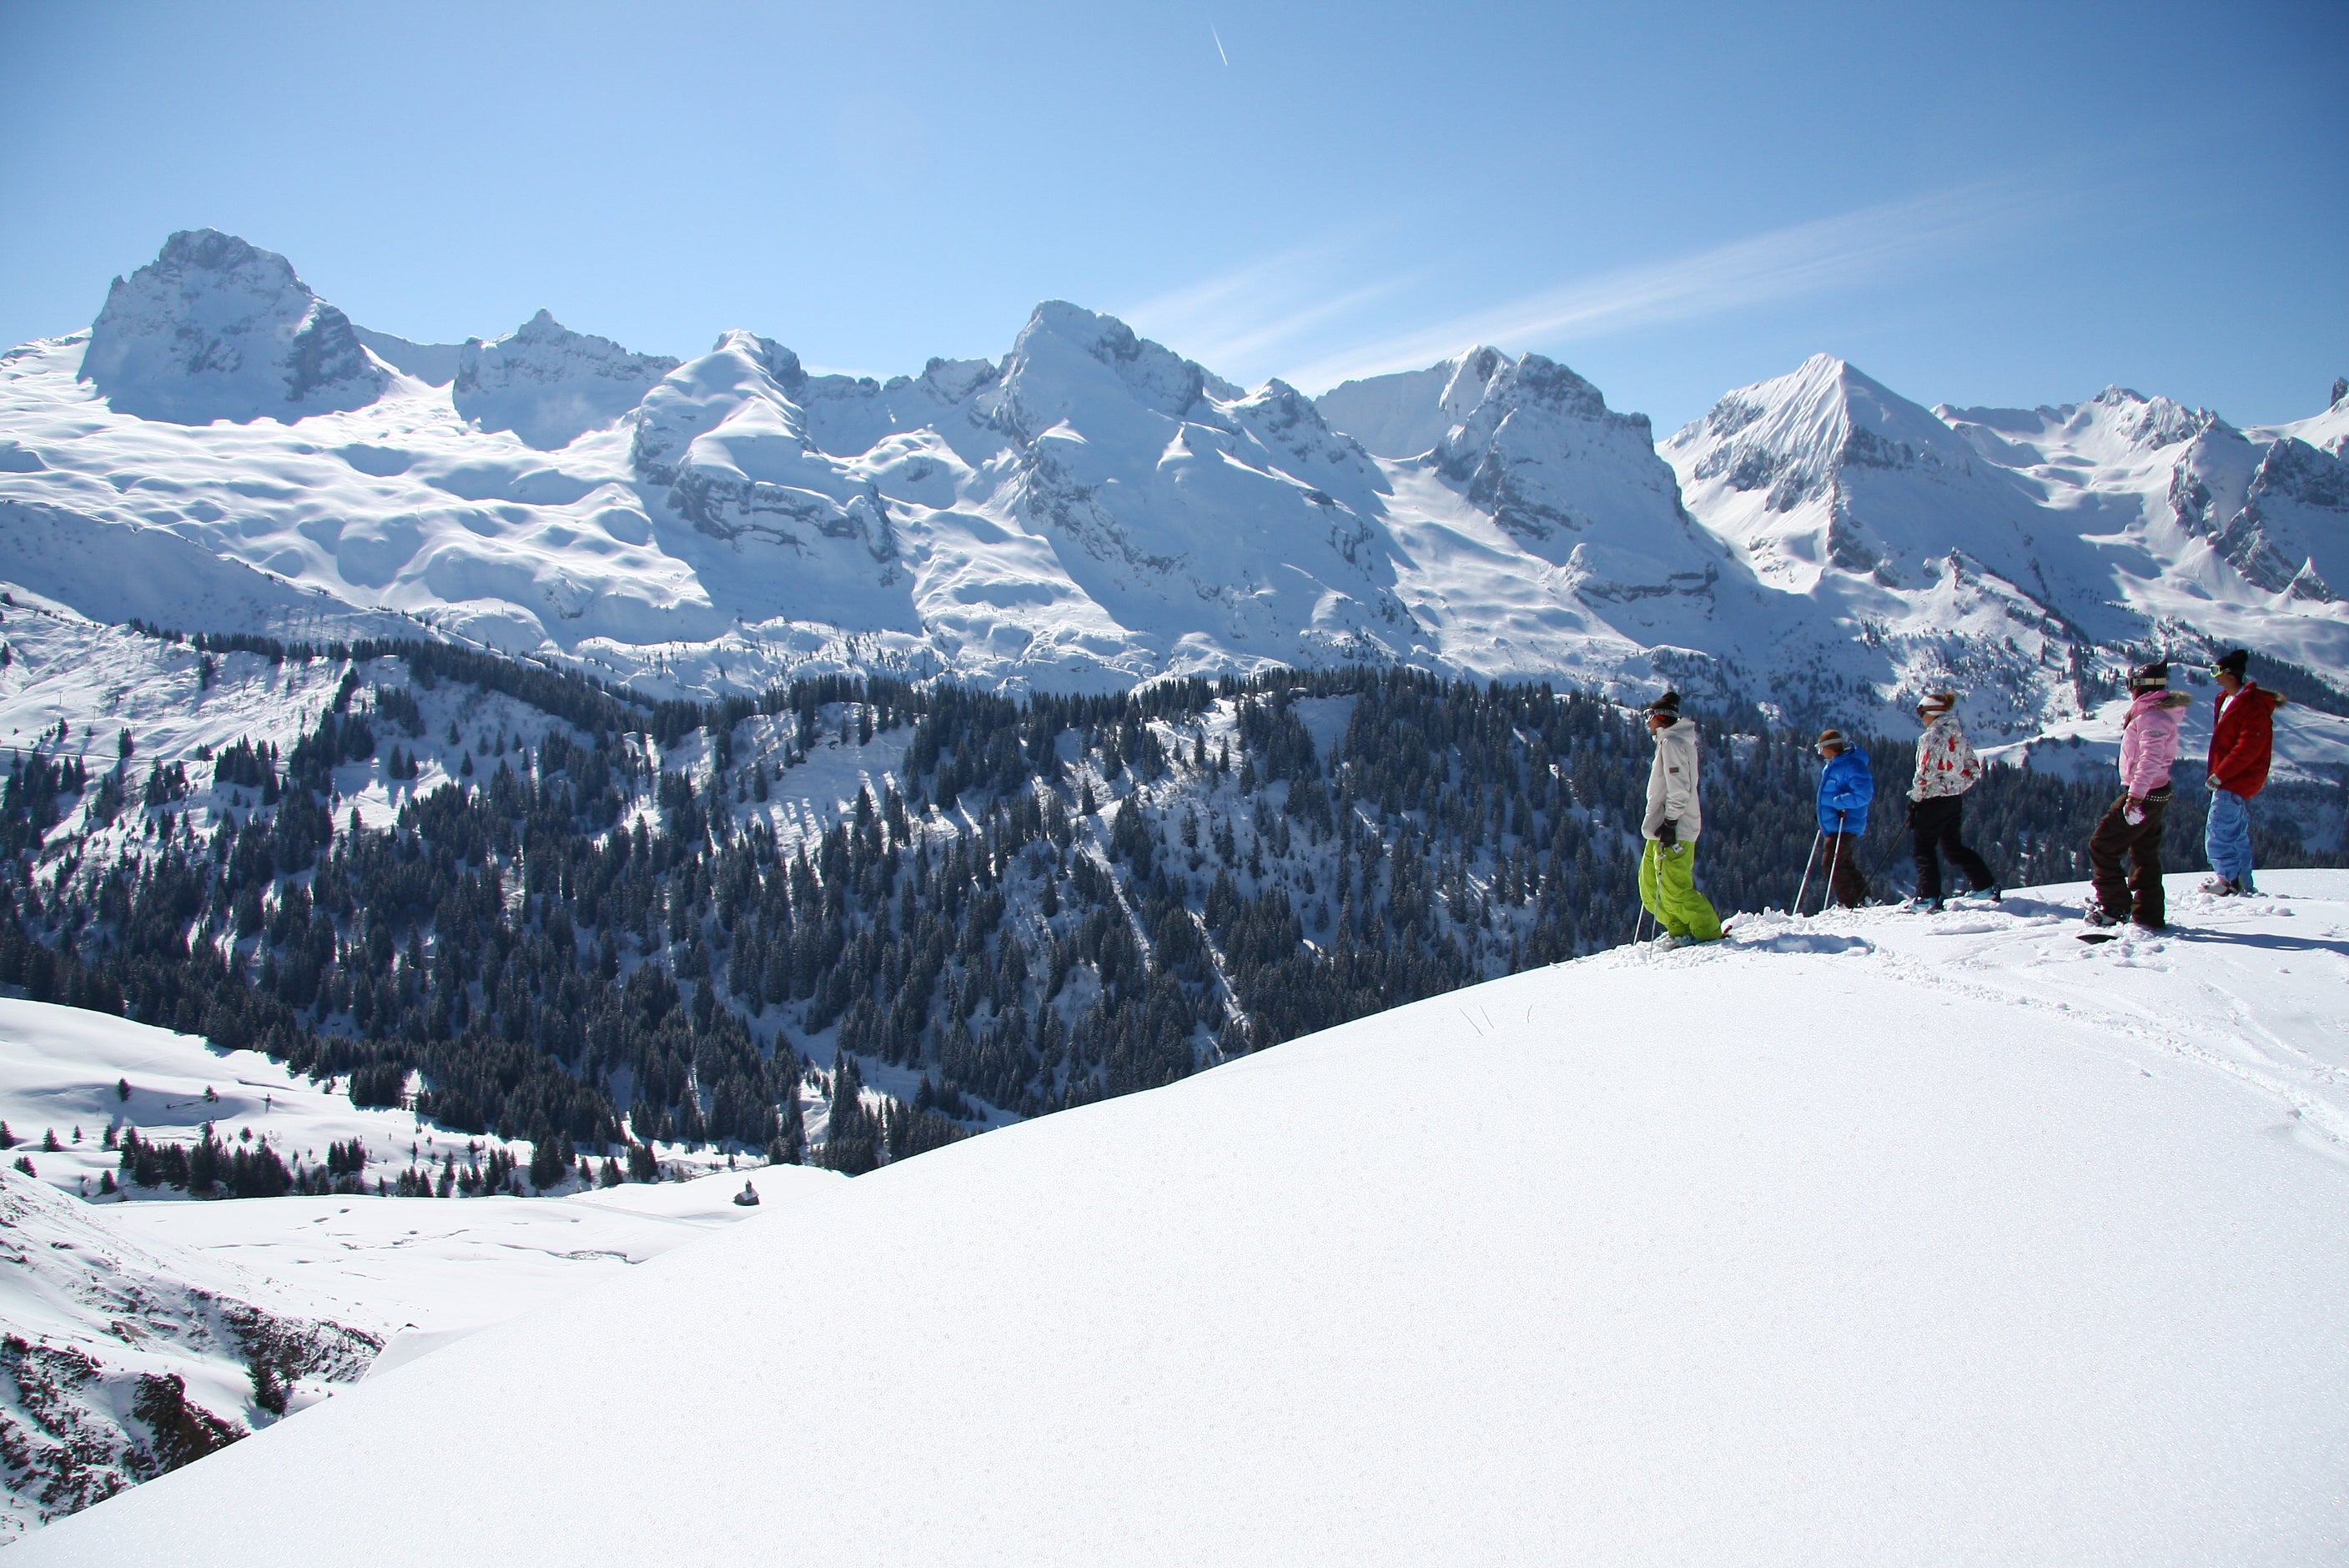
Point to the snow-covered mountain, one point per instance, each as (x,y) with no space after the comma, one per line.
(550,385)
(2021,555)
(1410,412)
(1092,510)
(1866,1238)
(213,329)
(2328,431)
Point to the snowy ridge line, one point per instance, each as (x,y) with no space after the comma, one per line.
(1091,511)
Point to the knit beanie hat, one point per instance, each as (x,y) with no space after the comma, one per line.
(2234,663)
(2153,677)
(1935,702)
(1667,707)
(1832,737)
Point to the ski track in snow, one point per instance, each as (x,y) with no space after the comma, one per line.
(2023,954)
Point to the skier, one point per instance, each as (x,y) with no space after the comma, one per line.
(1668,862)
(1846,787)
(1946,769)
(2242,743)
(2132,824)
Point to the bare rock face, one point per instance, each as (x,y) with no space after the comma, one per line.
(214,328)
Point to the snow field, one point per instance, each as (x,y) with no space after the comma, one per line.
(1869,1238)
(425,1272)
(60,1069)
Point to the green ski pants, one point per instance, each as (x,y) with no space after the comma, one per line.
(1667,887)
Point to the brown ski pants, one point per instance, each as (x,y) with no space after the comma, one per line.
(2139,894)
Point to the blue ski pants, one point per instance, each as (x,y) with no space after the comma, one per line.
(2227,836)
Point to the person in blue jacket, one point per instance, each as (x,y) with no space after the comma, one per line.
(1846,787)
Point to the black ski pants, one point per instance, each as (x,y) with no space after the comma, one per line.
(1937,828)
(2139,894)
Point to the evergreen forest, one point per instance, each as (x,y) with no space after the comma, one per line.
(595,933)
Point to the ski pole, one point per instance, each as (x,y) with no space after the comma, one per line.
(1808,861)
(1639,921)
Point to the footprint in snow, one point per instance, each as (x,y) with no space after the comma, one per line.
(1806,942)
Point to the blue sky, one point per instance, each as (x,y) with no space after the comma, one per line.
(1982,204)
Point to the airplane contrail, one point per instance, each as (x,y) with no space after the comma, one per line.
(1219,42)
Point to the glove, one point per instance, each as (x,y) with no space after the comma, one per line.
(2209,783)
(2133,813)
(1668,832)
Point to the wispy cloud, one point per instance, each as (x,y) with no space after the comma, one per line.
(1261,314)
(1804,258)
(1303,315)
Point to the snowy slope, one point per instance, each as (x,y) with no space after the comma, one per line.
(422,1274)
(1871,1238)
(1407,412)
(149,1284)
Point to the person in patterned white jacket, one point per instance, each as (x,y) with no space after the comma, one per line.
(1946,769)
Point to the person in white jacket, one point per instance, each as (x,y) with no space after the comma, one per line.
(1673,820)
(1946,769)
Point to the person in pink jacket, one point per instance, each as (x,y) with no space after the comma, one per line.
(2132,825)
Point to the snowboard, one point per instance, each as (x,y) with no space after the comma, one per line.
(2109,935)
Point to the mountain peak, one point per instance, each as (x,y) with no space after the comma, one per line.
(550,385)
(217,328)
(1795,442)
(2143,422)
(1409,412)
(209,250)
(1066,349)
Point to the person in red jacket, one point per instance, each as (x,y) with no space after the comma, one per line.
(2242,743)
